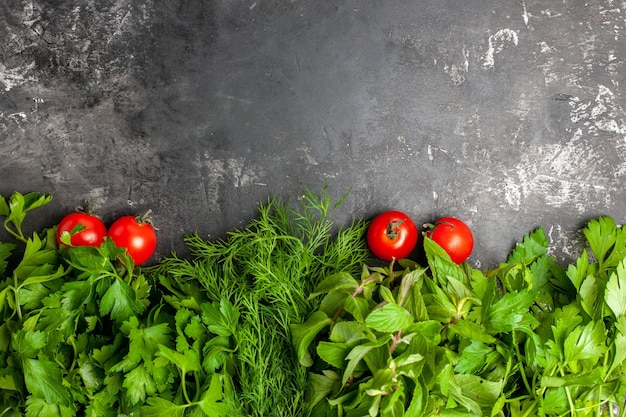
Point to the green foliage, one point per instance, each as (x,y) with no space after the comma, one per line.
(284,318)
(250,287)
(527,338)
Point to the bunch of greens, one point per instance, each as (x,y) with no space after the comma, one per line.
(247,289)
(284,318)
(528,338)
(62,314)
(85,332)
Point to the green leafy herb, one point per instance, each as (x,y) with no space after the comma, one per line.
(249,288)
(285,318)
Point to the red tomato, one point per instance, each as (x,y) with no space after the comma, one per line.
(92,235)
(136,235)
(454,236)
(392,235)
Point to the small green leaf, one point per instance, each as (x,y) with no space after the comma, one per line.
(577,273)
(480,390)
(386,294)
(347,331)
(16,209)
(587,379)
(303,335)
(7,382)
(438,304)
(357,354)
(617,361)
(187,361)
(321,385)
(211,403)
(335,282)
(5,251)
(39,407)
(535,244)
(358,307)
(139,384)
(390,318)
(510,311)
(28,344)
(419,400)
(43,378)
(120,300)
(334,353)
(472,358)
(591,297)
(160,407)
(615,292)
(585,343)
(601,233)
(472,331)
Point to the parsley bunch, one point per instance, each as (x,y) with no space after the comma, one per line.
(63,315)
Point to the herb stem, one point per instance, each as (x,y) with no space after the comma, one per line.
(16,289)
(17,233)
(395,341)
(572,407)
(184,386)
(522,371)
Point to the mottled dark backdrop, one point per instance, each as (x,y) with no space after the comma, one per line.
(508,114)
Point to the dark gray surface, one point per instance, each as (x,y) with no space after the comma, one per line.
(509,115)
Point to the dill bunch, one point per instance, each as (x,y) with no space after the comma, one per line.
(266,271)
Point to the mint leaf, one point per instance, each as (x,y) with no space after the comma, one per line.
(358,307)
(390,318)
(335,282)
(357,354)
(303,335)
(334,353)
(347,331)
(321,385)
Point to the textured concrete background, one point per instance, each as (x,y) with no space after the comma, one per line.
(508,114)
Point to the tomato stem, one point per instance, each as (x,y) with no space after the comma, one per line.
(146,219)
(88,208)
(393,228)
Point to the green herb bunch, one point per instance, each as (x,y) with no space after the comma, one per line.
(85,333)
(529,338)
(63,315)
(244,291)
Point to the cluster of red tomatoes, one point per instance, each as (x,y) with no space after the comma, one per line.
(135,234)
(393,235)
